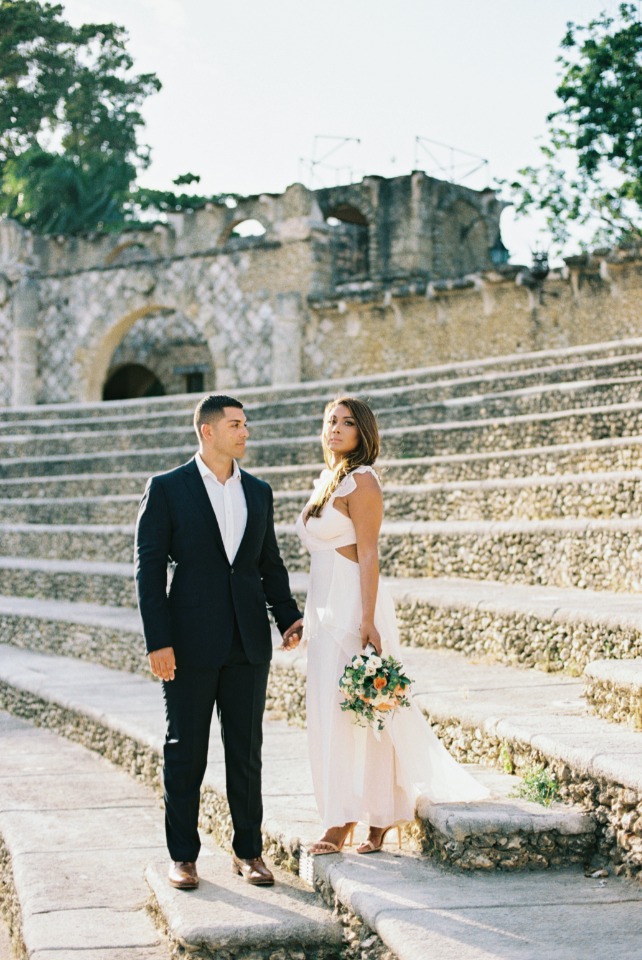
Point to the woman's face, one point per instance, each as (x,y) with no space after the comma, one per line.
(340,432)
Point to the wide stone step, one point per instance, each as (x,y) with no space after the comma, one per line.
(563,381)
(535,837)
(111,584)
(611,454)
(593,554)
(225,917)
(422,440)
(576,495)
(529,626)
(47,829)
(79,843)
(129,461)
(531,498)
(101,634)
(74,485)
(617,357)
(88,476)
(406,432)
(614,690)
(410,403)
(409,904)
(118,509)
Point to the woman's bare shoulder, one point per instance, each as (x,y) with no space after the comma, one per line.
(367,481)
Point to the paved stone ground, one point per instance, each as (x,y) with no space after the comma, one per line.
(419,910)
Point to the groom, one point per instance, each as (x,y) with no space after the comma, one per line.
(208,639)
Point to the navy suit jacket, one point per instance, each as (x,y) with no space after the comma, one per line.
(177,526)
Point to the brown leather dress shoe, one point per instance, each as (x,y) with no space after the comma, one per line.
(253,871)
(183,875)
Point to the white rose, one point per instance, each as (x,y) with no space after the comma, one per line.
(376,661)
(357,661)
(370,669)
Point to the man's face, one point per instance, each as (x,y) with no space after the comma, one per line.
(226,436)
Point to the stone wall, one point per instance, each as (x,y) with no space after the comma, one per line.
(380,275)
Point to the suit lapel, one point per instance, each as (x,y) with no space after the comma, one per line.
(196,487)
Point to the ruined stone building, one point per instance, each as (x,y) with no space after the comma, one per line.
(382,274)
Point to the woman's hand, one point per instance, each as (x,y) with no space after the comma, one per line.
(370,634)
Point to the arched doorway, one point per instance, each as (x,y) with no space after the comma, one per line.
(131,381)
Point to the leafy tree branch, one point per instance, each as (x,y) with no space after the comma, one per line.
(589,184)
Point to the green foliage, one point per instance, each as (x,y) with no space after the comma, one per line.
(539,785)
(69,119)
(590,180)
(53,193)
(168,201)
(506,757)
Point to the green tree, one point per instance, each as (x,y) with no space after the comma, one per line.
(69,119)
(589,185)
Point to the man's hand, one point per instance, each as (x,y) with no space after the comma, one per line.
(292,636)
(163,663)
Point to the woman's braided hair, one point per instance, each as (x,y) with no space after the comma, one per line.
(364,454)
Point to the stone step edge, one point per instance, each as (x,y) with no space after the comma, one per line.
(558,604)
(549,450)
(389,528)
(389,489)
(502,360)
(585,624)
(83,426)
(510,421)
(26,930)
(312,923)
(470,826)
(190,926)
(614,690)
(142,759)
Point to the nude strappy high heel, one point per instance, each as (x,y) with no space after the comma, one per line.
(322,847)
(369,846)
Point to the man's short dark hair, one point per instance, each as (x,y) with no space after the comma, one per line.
(211,408)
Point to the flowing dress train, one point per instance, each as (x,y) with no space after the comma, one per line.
(358,774)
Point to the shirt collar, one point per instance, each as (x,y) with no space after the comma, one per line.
(205,471)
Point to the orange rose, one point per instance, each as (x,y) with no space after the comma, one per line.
(379,683)
(385,706)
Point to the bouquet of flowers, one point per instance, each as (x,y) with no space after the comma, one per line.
(373,688)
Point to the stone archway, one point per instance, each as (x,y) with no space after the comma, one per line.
(156,337)
(97,365)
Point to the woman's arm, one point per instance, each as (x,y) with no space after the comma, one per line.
(365,507)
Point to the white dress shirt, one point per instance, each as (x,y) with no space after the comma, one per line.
(228,503)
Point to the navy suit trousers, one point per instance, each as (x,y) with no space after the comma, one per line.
(237,689)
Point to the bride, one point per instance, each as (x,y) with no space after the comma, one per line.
(359,775)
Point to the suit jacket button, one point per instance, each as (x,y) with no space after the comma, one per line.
(231,569)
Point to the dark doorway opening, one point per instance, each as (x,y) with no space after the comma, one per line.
(132,381)
(194,382)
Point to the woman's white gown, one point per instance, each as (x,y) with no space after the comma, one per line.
(359,775)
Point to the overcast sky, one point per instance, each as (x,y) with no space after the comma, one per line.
(249,84)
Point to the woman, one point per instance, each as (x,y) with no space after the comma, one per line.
(359,775)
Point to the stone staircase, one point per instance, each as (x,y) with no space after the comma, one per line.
(512,544)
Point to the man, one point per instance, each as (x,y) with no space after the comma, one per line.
(209,638)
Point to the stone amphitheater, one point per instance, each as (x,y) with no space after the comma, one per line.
(512,543)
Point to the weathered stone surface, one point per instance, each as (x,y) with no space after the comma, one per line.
(614,690)
(225,914)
